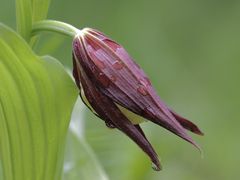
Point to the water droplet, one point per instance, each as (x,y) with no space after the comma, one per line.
(104,80)
(147,81)
(148,111)
(117,65)
(156,167)
(142,90)
(113,78)
(99,63)
(109,124)
(113,45)
(94,55)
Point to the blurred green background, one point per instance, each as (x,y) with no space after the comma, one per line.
(190,49)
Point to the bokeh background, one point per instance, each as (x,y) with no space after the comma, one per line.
(190,49)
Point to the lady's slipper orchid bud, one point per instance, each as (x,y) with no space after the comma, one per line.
(117,90)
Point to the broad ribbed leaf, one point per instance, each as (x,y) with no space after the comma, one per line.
(24,18)
(36,100)
(39,9)
(28,12)
(39,12)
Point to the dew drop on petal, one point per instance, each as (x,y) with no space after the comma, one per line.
(113,45)
(155,167)
(147,111)
(109,124)
(113,78)
(142,90)
(104,80)
(97,60)
(117,65)
(147,81)
(99,64)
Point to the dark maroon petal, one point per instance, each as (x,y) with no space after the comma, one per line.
(131,87)
(187,124)
(140,130)
(75,73)
(110,77)
(95,33)
(108,111)
(109,124)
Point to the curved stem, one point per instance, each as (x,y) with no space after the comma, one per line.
(54,26)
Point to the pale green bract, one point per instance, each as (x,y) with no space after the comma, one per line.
(80,160)
(36,100)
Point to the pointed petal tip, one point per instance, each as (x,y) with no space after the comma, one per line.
(187,124)
(190,140)
(199,132)
(194,129)
(156,166)
(198,147)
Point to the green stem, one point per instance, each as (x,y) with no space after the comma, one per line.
(54,26)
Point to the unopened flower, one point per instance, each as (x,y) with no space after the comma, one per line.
(117,90)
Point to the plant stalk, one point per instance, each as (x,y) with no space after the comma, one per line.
(54,26)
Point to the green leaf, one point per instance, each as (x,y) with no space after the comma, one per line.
(80,160)
(39,12)
(28,12)
(36,100)
(39,9)
(24,18)
(1,173)
(49,43)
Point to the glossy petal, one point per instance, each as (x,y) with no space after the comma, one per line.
(117,76)
(108,111)
(187,124)
(110,81)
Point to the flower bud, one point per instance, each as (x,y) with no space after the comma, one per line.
(117,90)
